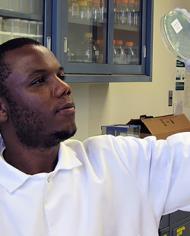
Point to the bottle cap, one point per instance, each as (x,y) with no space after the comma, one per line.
(120,42)
(129,43)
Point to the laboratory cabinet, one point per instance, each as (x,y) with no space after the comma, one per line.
(175,224)
(103,40)
(94,40)
(25,18)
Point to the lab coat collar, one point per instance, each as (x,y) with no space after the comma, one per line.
(11,178)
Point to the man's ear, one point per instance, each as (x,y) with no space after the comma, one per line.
(3,111)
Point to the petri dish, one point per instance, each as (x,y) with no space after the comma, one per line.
(175,30)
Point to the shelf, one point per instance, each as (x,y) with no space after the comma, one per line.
(88,22)
(126,28)
(20,15)
(79,78)
(85,22)
(10,35)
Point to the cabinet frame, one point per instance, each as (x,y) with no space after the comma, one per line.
(92,72)
(45,18)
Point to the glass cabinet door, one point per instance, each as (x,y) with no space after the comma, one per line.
(127,32)
(103,37)
(86,39)
(21,18)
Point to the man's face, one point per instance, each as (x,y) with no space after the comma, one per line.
(40,107)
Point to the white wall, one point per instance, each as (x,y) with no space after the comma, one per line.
(111,103)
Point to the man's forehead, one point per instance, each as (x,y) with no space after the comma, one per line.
(29,55)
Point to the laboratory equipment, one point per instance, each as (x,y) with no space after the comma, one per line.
(175,29)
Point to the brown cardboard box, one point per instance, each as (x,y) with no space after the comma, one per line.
(162,126)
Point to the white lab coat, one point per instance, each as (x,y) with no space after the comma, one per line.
(104,186)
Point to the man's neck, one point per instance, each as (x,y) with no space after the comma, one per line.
(32,161)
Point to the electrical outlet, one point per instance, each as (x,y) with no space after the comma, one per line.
(170,98)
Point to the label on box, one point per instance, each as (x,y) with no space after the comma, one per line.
(176,26)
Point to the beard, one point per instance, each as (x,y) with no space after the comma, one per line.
(31,127)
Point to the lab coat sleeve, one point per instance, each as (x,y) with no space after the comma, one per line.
(161,169)
(178,197)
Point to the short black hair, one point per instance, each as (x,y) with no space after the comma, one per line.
(5,69)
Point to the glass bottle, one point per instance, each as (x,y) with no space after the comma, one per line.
(83,6)
(89,10)
(98,10)
(102,11)
(130,56)
(118,52)
(129,13)
(122,12)
(74,9)
(134,9)
(99,51)
(136,12)
(95,10)
(114,51)
(117,11)
(88,47)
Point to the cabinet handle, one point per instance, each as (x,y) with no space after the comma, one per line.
(48,41)
(65,45)
(144,51)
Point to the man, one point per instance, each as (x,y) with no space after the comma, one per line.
(105,186)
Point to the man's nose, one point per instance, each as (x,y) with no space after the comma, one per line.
(61,88)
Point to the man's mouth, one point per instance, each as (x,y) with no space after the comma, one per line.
(66,108)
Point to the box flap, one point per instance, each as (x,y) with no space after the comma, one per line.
(164,126)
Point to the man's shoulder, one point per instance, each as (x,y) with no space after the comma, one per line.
(110,143)
(105,139)
(95,140)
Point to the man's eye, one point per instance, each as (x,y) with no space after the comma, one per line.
(61,76)
(39,81)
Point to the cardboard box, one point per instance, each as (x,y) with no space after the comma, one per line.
(162,126)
